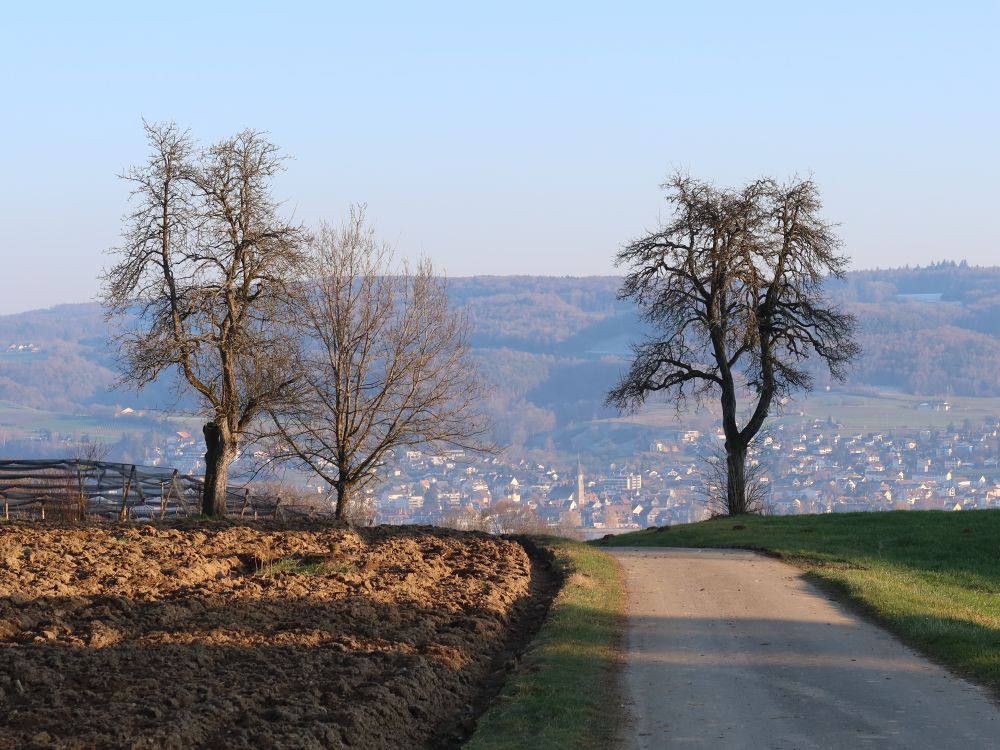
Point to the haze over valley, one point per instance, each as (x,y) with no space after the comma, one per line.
(552,347)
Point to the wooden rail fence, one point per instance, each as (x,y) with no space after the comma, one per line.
(75,490)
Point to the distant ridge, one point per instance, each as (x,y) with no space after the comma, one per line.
(555,344)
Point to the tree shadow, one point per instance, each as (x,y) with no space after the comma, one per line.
(759,682)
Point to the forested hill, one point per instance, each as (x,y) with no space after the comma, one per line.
(929,330)
(555,345)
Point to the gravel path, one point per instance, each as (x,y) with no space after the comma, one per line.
(728,649)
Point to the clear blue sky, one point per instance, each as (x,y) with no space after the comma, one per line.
(506,138)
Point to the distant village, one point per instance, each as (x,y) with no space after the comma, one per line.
(804,467)
(815,467)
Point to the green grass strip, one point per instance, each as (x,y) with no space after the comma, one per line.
(564,693)
(930,577)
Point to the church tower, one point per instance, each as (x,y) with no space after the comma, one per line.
(580,490)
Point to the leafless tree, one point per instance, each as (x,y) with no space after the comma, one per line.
(384,365)
(462,519)
(509,517)
(91,451)
(362,509)
(206,263)
(503,517)
(733,286)
(715,482)
(294,500)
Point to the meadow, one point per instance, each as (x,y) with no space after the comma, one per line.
(862,410)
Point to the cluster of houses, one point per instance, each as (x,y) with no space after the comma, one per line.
(810,467)
(821,470)
(28,348)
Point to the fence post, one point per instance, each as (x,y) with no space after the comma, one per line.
(138,486)
(123,513)
(164,498)
(82,498)
(179,494)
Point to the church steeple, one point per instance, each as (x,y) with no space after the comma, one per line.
(580,490)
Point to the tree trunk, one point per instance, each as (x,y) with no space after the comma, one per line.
(343,500)
(736,478)
(218,456)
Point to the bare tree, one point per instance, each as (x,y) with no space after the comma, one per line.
(509,517)
(733,286)
(293,499)
(91,451)
(384,365)
(503,517)
(715,482)
(206,265)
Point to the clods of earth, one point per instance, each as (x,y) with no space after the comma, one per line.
(250,636)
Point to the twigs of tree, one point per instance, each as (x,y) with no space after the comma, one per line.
(733,285)
(715,483)
(89,451)
(207,263)
(384,365)
(503,517)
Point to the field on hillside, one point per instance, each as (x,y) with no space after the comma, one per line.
(890,411)
(864,411)
(19,421)
(216,634)
(932,577)
(25,419)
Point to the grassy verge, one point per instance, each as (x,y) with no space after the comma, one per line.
(564,692)
(933,578)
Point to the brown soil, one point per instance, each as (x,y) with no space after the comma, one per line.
(225,635)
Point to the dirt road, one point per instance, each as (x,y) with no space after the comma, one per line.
(729,649)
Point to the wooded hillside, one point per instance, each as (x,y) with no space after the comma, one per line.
(553,346)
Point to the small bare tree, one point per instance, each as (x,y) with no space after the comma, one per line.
(206,264)
(509,517)
(733,285)
(384,365)
(715,484)
(293,499)
(91,451)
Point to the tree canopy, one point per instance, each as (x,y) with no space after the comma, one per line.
(732,287)
(203,274)
(384,365)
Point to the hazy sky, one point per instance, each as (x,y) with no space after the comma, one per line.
(506,138)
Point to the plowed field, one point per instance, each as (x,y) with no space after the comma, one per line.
(225,635)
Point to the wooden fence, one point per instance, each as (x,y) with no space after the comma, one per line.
(75,490)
